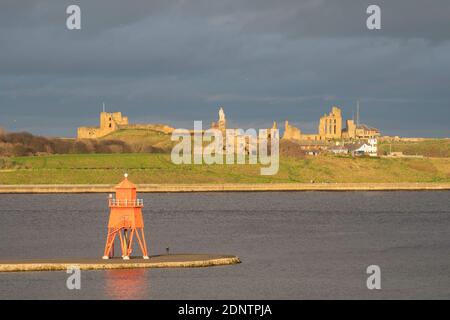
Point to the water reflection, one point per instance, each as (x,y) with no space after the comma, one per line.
(127,284)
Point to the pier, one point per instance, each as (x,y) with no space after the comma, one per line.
(160,261)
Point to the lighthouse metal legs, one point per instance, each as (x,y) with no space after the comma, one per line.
(109,247)
(142,243)
(126,237)
(144,249)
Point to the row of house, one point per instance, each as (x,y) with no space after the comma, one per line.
(357,149)
(354,149)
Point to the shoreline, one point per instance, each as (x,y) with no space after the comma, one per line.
(233,187)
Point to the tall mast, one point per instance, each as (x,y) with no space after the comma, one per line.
(357,112)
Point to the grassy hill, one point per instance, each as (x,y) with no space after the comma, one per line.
(142,140)
(158,168)
(150,163)
(427,148)
(121,141)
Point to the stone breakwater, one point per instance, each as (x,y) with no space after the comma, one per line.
(104,188)
(164,261)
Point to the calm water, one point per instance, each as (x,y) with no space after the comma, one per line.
(294,245)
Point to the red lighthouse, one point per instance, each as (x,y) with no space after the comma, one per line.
(125,220)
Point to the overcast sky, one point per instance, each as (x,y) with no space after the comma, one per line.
(177,61)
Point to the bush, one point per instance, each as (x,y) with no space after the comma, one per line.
(24,144)
(20,150)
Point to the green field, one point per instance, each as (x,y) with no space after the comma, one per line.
(158,168)
(427,148)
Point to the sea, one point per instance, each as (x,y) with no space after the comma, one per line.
(293,245)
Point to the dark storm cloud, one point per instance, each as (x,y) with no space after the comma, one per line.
(176,61)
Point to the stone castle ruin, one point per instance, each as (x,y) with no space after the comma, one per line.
(113,121)
(109,122)
(221,124)
(331,128)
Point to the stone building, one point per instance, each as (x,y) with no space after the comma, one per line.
(331,128)
(112,121)
(109,122)
(350,130)
(291,132)
(363,131)
(330,125)
(222,123)
(269,130)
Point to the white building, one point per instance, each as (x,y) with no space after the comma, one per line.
(370,148)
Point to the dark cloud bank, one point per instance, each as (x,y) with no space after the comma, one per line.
(176,61)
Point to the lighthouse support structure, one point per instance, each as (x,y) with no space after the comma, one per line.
(125,221)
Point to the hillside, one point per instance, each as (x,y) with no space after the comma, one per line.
(427,147)
(142,140)
(122,141)
(158,168)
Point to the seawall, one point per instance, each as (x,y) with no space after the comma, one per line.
(104,188)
